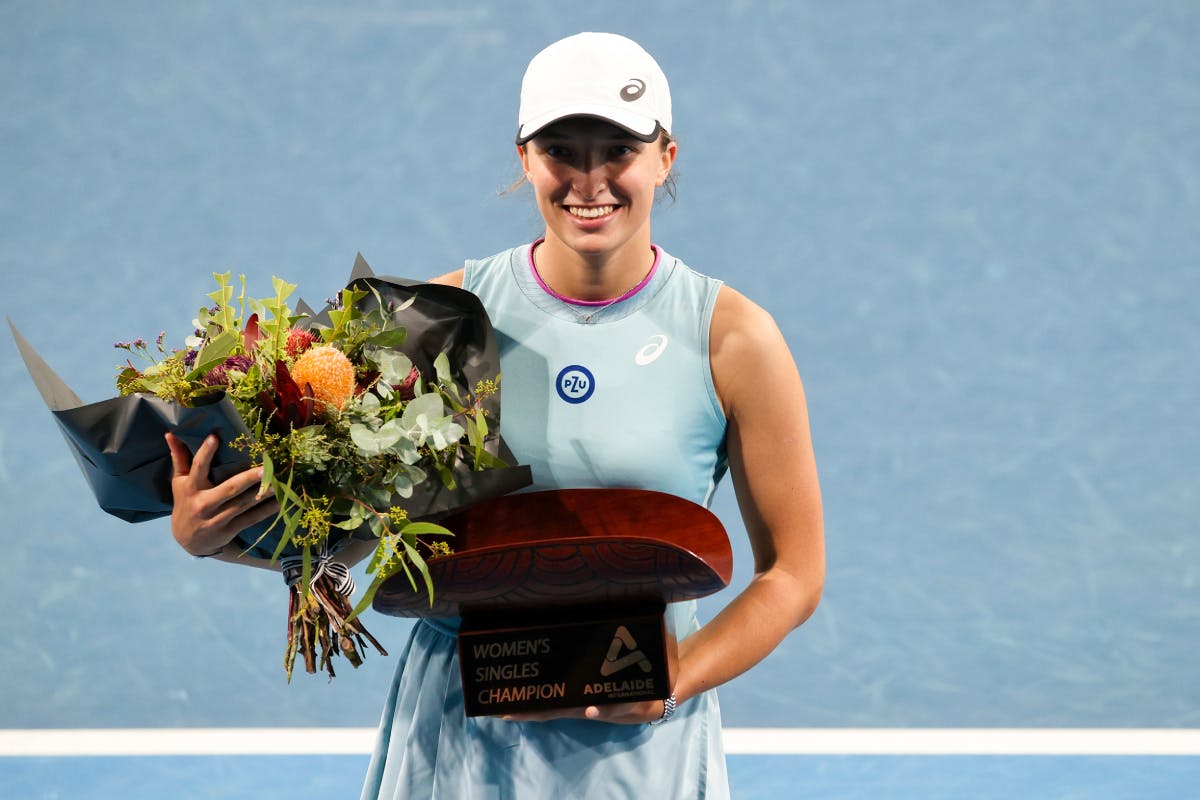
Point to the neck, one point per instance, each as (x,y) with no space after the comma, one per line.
(592,278)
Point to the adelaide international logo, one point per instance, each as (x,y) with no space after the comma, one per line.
(623,642)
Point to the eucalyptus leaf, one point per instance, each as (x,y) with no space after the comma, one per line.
(441,365)
(372,443)
(426,529)
(415,474)
(429,406)
(393,338)
(407,451)
(443,433)
(378,496)
(268,474)
(422,567)
(474,437)
(447,477)
(393,366)
(369,403)
(486,460)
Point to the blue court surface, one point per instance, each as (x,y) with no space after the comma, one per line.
(795,777)
(977,225)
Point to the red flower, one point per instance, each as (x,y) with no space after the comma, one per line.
(407,388)
(251,334)
(365,380)
(298,341)
(289,407)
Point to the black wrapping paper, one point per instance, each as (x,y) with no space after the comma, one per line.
(120,447)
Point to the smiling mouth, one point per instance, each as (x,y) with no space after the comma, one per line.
(590,212)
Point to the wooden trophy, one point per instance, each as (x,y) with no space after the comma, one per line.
(562,594)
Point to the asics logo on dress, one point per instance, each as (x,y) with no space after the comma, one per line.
(649,353)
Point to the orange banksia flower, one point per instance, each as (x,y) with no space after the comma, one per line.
(330,374)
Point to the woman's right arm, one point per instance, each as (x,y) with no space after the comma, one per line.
(451,278)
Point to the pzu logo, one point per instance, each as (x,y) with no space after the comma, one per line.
(575,384)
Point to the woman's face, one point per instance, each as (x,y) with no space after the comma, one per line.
(594,183)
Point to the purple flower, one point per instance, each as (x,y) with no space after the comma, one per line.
(189,358)
(219,375)
(240,363)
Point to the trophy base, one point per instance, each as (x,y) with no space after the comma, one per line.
(517,661)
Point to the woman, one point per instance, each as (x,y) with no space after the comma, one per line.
(622,367)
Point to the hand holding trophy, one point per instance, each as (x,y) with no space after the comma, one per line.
(562,595)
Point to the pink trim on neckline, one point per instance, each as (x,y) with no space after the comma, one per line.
(546,287)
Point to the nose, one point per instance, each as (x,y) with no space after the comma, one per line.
(591,177)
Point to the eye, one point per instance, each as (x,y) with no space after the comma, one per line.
(556,151)
(621,151)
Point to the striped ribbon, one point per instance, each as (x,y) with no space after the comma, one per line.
(322,564)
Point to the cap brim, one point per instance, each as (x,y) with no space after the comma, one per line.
(638,126)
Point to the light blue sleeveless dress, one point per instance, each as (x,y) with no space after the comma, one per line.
(618,396)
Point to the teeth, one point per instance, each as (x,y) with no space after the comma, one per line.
(591,213)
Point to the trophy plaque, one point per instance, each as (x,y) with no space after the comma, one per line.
(562,594)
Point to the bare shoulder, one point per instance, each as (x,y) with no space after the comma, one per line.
(738,321)
(746,348)
(450,278)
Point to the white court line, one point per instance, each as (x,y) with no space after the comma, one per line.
(964,741)
(738,741)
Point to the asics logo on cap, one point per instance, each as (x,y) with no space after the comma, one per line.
(633,90)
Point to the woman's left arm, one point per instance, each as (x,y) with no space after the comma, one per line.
(774,476)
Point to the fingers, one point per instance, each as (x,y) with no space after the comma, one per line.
(625,713)
(228,489)
(181,457)
(190,481)
(228,520)
(227,505)
(544,716)
(245,482)
(202,462)
(261,510)
(617,713)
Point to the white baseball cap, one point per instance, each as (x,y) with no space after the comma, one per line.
(600,75)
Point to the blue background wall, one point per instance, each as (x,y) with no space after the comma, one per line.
(975,223)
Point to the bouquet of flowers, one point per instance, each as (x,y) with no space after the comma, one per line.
(371,420)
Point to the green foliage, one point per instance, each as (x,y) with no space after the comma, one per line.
(352,469)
